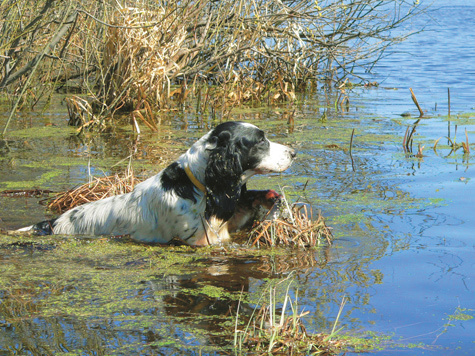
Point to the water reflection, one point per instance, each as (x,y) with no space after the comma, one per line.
(403,226)
(118,305)
(152,311)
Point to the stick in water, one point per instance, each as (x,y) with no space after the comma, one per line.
(414,99)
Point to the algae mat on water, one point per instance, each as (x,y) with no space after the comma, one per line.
(94,295)
(112,296)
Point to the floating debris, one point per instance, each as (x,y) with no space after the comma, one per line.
(14,193)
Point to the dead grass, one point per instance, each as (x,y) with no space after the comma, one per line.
(97,189)
(147,56)
(138,58)
(295,226)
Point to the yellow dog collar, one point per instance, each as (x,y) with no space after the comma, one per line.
(195,181)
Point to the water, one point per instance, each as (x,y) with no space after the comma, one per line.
(428,283)
(404,225)
(438,58)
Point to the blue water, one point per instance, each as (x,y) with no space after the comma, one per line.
(405,248)
(425,283)
(430,62)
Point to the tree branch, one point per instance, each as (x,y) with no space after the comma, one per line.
(11,78)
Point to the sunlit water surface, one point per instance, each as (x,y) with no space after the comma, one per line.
(404,254)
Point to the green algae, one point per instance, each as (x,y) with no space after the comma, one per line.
(120,285)
(461,119)
(461,314)
(42,132)
(93,280)
(41,181)
(369,341)
(211,291)
(111,290)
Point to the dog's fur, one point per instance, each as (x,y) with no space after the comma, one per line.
(169,205)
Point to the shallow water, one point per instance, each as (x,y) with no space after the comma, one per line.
(404,225)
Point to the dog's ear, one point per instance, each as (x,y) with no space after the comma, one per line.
(223,178)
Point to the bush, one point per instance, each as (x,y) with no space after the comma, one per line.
(154,54)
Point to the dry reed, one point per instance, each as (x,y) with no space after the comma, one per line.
(296,226)
(98,188)
(156,54)
(138,58)
(414,99)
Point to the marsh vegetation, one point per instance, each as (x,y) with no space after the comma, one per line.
(393,211)
(143,57)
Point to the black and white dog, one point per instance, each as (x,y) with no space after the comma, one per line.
(198,198)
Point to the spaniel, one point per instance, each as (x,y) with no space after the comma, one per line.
(199,199)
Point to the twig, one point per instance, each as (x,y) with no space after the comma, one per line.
(153,24)
(33,64)
(351,145)
(448,96)
(414,99)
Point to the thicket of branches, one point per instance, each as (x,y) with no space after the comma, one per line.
(143,56)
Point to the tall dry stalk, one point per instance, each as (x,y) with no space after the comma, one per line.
(146,55)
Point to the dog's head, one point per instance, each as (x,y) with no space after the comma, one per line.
(235,152)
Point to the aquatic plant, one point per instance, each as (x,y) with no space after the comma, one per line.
(278,328)
(296,224)
(96,189)
(453,145)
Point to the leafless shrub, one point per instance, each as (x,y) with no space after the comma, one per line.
(145,56)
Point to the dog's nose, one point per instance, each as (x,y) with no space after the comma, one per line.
(293,153)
